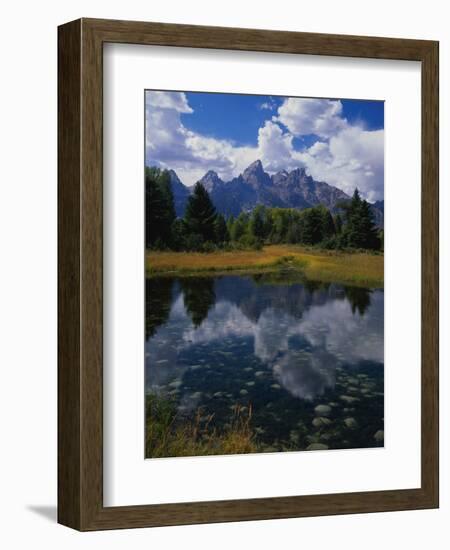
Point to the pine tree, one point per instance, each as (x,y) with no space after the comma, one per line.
(166,188)
(293,234)
(328,228)
(360,230)
(257,228)
(230,222)
(200,215)
(338,224)
(313,231)
(179,235)
(368,229)
(159,208)
(353,222)
(221,230)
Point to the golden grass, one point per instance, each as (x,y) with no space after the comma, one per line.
(359,268)
(196,437)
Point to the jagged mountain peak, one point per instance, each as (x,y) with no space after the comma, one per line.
(255,176)
(211,174)
(255,167)
(285,189)
(174,179)
(180,193)
(255,164)
(210,180)
(300,171)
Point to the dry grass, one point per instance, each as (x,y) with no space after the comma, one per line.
(164,438)
(359,268)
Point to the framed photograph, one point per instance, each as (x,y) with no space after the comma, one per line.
(248,274)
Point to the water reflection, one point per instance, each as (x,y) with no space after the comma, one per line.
(212,341)
(199,297)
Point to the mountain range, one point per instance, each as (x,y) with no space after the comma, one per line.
(294,189)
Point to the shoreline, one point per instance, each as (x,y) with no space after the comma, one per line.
(351,268)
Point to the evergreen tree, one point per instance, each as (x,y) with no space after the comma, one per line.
(353,221)
(221,230)
(313,230)
(360,230)
(369,231)
(159,208)
(293,234)
(257,228)
(179,235)
(328,229)
(381,239)
(166,188)
(200,215)
(338,224)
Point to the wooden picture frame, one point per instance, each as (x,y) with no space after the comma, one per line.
(80,272)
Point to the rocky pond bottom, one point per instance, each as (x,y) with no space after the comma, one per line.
(302,362)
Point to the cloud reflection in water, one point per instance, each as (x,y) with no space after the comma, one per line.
(302,336)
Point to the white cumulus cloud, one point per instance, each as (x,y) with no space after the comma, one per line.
(344,155)
(170,144)
(275,147)
(352,158)
(176,101)
(304,116)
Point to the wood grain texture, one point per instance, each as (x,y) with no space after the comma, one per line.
(430,272)
(80,242)
(69,247)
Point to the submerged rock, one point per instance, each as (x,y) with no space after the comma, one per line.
(379,436)
(243,392)
(350,423)
(323,409)
(321,421)
(348,399)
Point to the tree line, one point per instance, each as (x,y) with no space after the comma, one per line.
(204,229)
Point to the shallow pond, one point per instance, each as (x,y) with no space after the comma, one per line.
(307,358)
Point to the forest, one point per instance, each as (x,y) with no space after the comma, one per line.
(203,229)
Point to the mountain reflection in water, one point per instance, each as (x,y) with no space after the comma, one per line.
(296,352)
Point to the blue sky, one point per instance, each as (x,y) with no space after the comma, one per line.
(340,141)
(212,112)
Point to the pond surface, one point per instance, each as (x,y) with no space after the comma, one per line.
(307,358)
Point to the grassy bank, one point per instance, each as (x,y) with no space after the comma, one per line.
(165,438)
(359,268)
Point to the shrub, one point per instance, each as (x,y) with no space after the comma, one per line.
(250,241)
(209,247)
(194,242)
